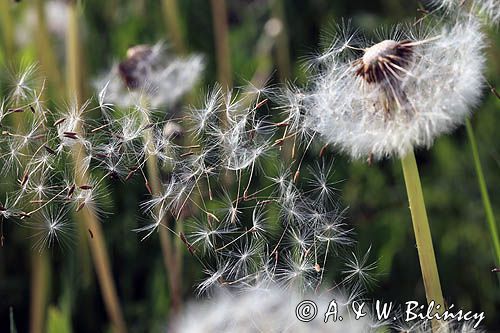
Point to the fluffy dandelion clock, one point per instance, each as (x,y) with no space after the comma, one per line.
(152,72)
(270,309)
(487,9)
(384,98)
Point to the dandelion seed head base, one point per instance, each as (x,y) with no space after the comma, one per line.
(381,61)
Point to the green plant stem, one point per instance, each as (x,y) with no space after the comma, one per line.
(422,231)
(490,217)
(39,289)
(171,17)
(282,47)
(222,49)
(87,214)
(7,29)
(45,50)
(171,259)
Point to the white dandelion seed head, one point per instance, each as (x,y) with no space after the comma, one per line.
(266,308)
(53,228)
(486,9)
(152,73)
(400,93)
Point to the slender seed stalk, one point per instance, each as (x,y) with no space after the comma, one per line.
(40,262)
(7,29)
(284,68)
(221,35)
(282,47)
(39,289)
(87,214)
(168,250)
(171,17)
(45,51)
(490,217)
(223,54)
(422,231)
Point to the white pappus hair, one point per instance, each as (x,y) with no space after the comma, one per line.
(400,93)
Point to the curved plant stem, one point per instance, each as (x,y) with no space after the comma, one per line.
(87,214)
(490,217)
(422,231)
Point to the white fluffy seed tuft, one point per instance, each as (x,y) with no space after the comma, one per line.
(399,94)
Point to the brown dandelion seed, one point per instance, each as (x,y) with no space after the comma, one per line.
(80,206)
(59,121)
(113,175)
(258,105)
(85,187)
(71,190)
(49,150)
(148,188)
(323,150)
(296,176)
(130,174)
(32,109)
(25,178)
(70,135)
(91,233)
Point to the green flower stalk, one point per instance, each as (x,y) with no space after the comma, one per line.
(172,21)
(385,99)
(7,29)
(148,79)
(222,48)
(490,217)
(422,230)
(87,214)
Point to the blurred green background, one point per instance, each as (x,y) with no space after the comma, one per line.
(375,195)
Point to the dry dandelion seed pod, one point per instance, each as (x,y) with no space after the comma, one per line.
(149,73)
(133,70)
